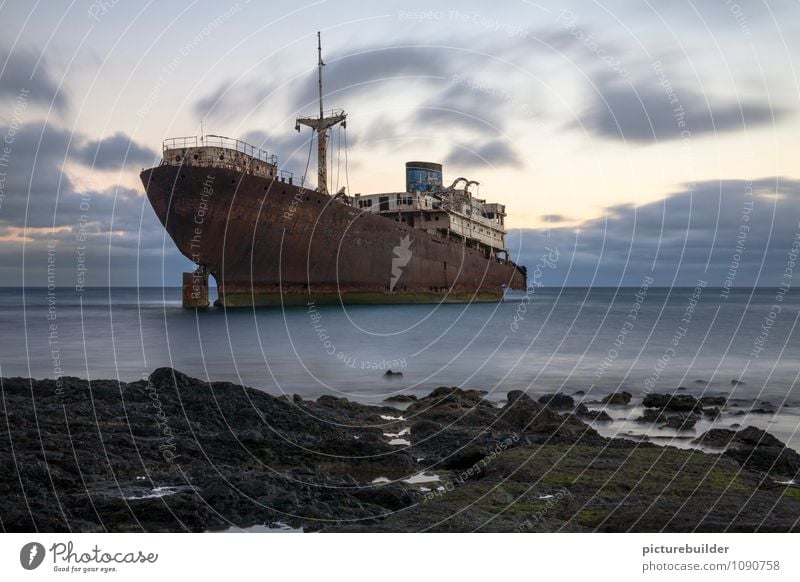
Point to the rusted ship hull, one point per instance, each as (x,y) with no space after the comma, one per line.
(268,242)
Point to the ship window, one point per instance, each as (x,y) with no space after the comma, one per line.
(196,157)
(177,158)
(436,218)
(222,157)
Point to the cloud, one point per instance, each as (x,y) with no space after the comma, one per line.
(689,235)
(40,204)
(115,152)
(38,193)
(554,218)
(346,75)
(26,71)
(497,153)
(644,112)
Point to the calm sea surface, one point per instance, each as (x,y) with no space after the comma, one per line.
(570,339)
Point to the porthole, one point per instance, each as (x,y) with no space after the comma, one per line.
(196,157)
(177,158)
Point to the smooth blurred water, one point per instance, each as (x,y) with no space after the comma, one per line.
(560,341)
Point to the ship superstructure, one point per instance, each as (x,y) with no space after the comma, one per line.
(267,240)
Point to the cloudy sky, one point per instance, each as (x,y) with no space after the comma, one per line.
(644,137)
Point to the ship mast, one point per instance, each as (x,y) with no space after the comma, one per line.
(321,125)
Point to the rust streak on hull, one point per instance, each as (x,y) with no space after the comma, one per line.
(269,242)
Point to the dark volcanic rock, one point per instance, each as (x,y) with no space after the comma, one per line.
(450,398)
(713,400)
(716,437)
(680,422)
(423,428)
(174,453)
(529,416)
(596,415)
(651,415)
(559,401)
(755,449)
(401,398)
(676,402)
(617,398)
(465,458)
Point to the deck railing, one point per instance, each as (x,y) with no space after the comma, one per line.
(220,141)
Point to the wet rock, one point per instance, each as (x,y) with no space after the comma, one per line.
(559,401)
(424,428)
(617,398)
(680,422)
(595,415)
(713,400)
(523,412)
(464,458)
(217,491)
(579,393)
(752,436)
(738,382)
(401,398)
(393,496)
(715,437)
(452,398)
(334,401)
(245,457)
(651,416)
(675,402)
(391,374)
(755,449)
(711,413)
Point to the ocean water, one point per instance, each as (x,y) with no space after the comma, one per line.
(553,339)
(745,344)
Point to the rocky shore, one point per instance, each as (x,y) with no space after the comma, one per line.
(173,453)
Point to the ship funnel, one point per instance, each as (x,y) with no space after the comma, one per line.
(423,177)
